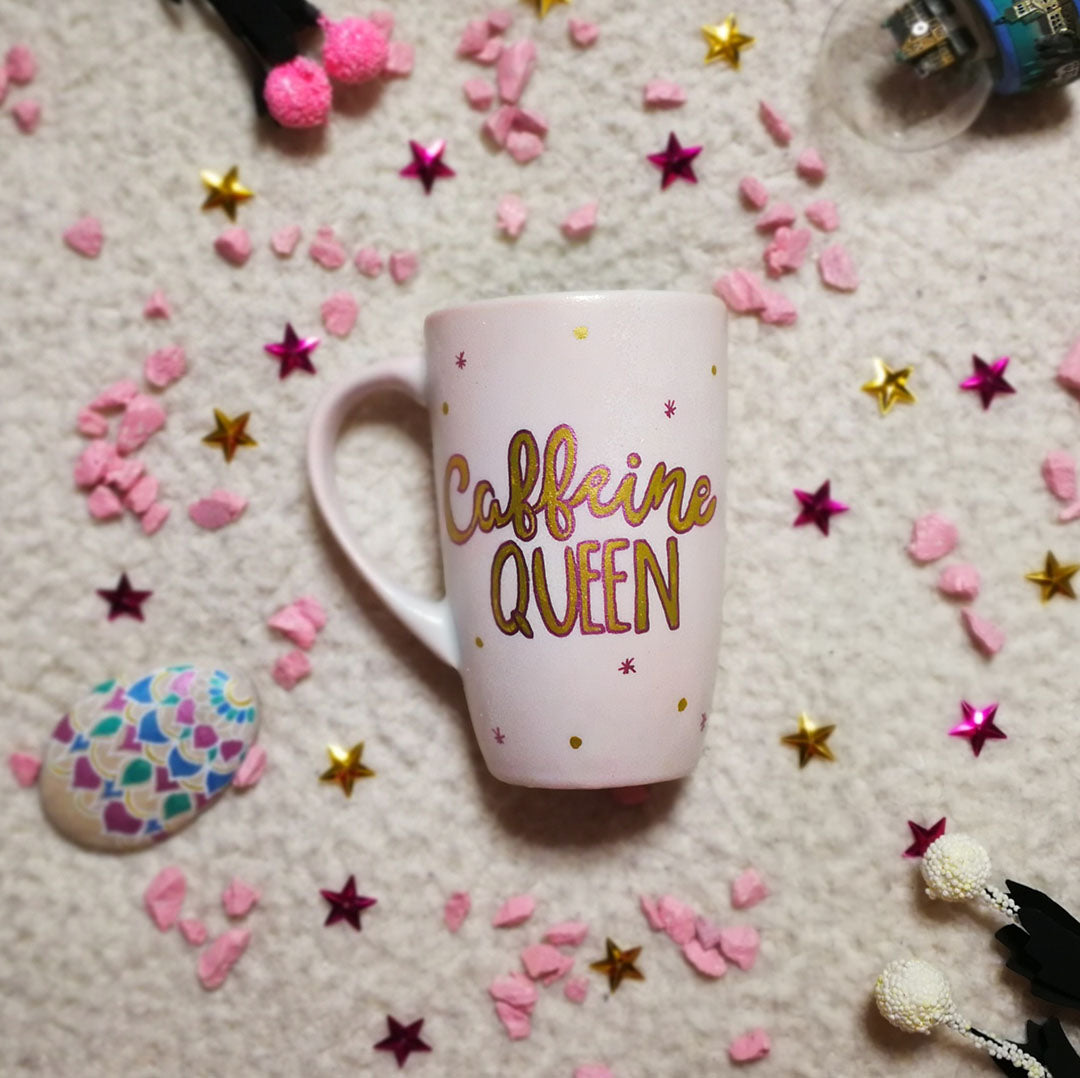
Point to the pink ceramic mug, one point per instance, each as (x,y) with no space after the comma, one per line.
(579,452)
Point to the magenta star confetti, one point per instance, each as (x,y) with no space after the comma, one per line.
(924,837)
(403,1040)
(978,726)
(124,600)
(346,904)
(499,736)
(988,380)
(675,162)
(427,165)
(460,360)
(293,352)
(627,666)
(817,508)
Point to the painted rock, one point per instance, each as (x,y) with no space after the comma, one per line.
(137,760)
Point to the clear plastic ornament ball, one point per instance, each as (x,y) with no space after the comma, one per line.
(890,76)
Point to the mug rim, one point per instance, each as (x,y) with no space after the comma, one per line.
(600,293)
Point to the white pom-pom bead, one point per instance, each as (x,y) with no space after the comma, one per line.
(913,996)
(955,868)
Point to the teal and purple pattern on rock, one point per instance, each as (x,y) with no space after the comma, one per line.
(135,761)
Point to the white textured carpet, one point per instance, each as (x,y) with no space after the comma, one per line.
(969,250)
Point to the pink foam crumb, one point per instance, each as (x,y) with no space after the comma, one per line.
(778,309)
(164,897)
(118,395)
(631,796)
(742,291)
(837,268)
(239,898)
(514,69)
(582,32)
(787,252)
(154,517)
(778,215)
(21,64)
(291,622)
(543,962)
(663,94)
(368,261)
(290,669)
(122,473)
(959,582)
(1068,372)
(516,989)
(511,215)
(748,889)
(774,123)
(27,115)
(706,961)
(91,424)
(312,609)
(165,366)
(143,418)
(251,769)
(283,242)
(750,1046)
(678,919)
(384,20)
(810,166)
(593,1070)
(479,93)
(823,215)
(403,265)
(985,635)
(339,313)
(93,463)
(500,20)
(740,944)
(142,495)
(524,146)
(580,223)
(456,909)
(24,768)
(1069,513)
(491,51)
(474,37)
(576,989)
(652,912)
(516,1022)
(86,237)
(515,911)
(567,934)
(400,56)
(753,192)
(193,930)
(103,504)
(234,245)
(219,508)
(500,123)
(708,933)
(326,250)
(932,537)
(1059,474)
(157,306)
(219,958)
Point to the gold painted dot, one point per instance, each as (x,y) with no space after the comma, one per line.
(575,742)
(581,332)
(445,408)
(479,642)
(682,704)
(714,368)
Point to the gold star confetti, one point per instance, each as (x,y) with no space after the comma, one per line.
(1054,579)
(544,6)
(619,964)
(810,740)
(345,767)
(230,433)
(225,191)
(889,386)
(725,42)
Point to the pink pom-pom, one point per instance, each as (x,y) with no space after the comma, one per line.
(354,50)
(298,93)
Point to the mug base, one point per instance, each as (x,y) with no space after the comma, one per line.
(610,781)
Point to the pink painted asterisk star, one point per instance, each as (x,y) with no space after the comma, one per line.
(293,352)
(403,1040)
(627,667)
(978,726)
(427,165)
(499,736)
(675,161)
(817,508)
(461,360)
(988,380)
(924,837)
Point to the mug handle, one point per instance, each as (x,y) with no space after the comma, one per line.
(429,619)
